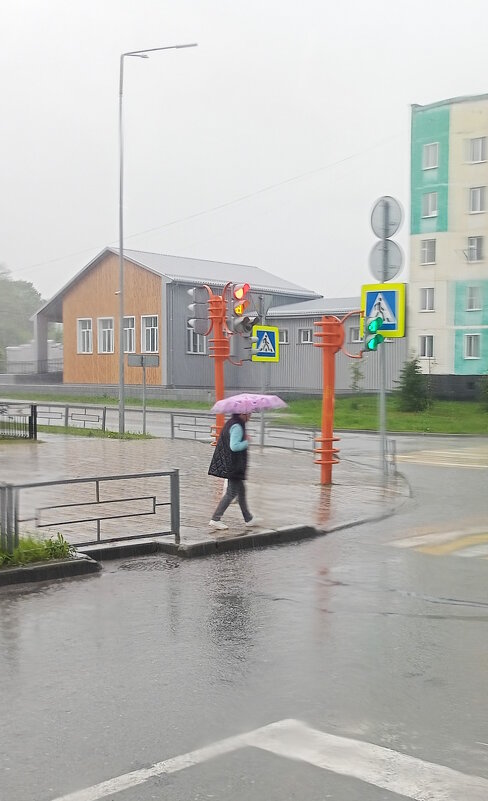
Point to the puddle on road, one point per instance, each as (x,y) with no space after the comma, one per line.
(149,564)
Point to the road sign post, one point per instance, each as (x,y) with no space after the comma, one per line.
(385,263)
(143,360)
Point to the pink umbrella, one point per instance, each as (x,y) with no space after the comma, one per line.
(247,403)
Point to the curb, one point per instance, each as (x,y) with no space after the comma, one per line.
(48,571)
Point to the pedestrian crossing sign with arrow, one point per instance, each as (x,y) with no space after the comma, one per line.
(386,301)
(266,347)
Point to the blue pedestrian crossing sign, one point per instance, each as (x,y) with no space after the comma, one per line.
(387,301)
(266,347)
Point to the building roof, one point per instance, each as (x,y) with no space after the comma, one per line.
(181,269)
(316,307)
(449,102)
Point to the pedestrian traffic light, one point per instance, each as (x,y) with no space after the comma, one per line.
(198,310)
(371,336)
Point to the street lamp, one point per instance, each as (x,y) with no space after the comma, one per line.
(135,54)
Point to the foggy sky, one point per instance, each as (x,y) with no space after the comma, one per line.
(276,89)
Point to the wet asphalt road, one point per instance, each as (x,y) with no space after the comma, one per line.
(154,658)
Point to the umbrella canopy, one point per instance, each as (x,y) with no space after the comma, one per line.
(247,403)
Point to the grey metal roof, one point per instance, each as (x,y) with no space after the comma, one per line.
(316,307)
(182,269)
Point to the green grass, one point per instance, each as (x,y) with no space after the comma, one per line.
(361,412)
(31,549)
(106,400)
(91,432)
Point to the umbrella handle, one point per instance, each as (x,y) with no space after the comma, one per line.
(237,364)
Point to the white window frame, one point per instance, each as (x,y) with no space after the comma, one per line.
(469,340)
(196,344)
(424,251)
(474,250)
(423,349)
(145,329)
(80,335)
(474,299)
(473,157)
(429,209)
(101,331)
(354,337)
(305,336)
(430,162)
(427,299)
(283,336)
(477,199)
(128,330)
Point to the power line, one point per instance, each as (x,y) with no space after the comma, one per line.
(220,206)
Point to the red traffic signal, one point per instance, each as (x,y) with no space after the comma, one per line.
(239,291)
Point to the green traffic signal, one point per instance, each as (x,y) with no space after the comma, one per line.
(375,325)
(373,343)
(372,328)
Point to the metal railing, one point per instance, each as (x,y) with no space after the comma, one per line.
(32,367)
(18,420)
(88,509)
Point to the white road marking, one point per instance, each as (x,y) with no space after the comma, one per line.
(434,538)
(382,767)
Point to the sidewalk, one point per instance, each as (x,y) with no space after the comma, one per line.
(283,490)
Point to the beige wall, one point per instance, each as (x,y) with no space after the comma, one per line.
(94,295)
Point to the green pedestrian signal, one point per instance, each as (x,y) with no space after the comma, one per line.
(372,338)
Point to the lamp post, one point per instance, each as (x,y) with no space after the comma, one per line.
(135,54)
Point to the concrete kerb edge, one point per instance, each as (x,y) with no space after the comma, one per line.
(49,571)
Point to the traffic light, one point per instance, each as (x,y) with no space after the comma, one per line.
(242,322)
(239,300)
(372,337)
(198,310)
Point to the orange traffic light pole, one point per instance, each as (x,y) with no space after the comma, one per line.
(219,349)
(331,340)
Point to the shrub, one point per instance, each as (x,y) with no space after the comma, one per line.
(413,388)
(30,549)
(484,392)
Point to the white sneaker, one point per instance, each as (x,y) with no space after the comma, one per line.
(254,521)
(218,525)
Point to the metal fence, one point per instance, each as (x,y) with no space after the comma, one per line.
(33,367)
(92,509)
(18,420)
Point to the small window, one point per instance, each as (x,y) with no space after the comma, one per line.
(283,337)
(475,248)
(477,149)
(473,298)
(477,199)
(427,299)
(472,347)
(149,334)
(426,347)
(195,343)
(305,336)
(85,337)
(105,335)
(430,156)
(354,335)
(427,251)
(129,334)
(429,204)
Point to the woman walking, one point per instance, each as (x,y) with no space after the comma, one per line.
(230,461)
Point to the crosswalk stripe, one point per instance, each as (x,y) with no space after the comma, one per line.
(462,543)
(382,767)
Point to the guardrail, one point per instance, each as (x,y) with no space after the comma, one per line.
(87,510)
(18,420)
(172,424)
